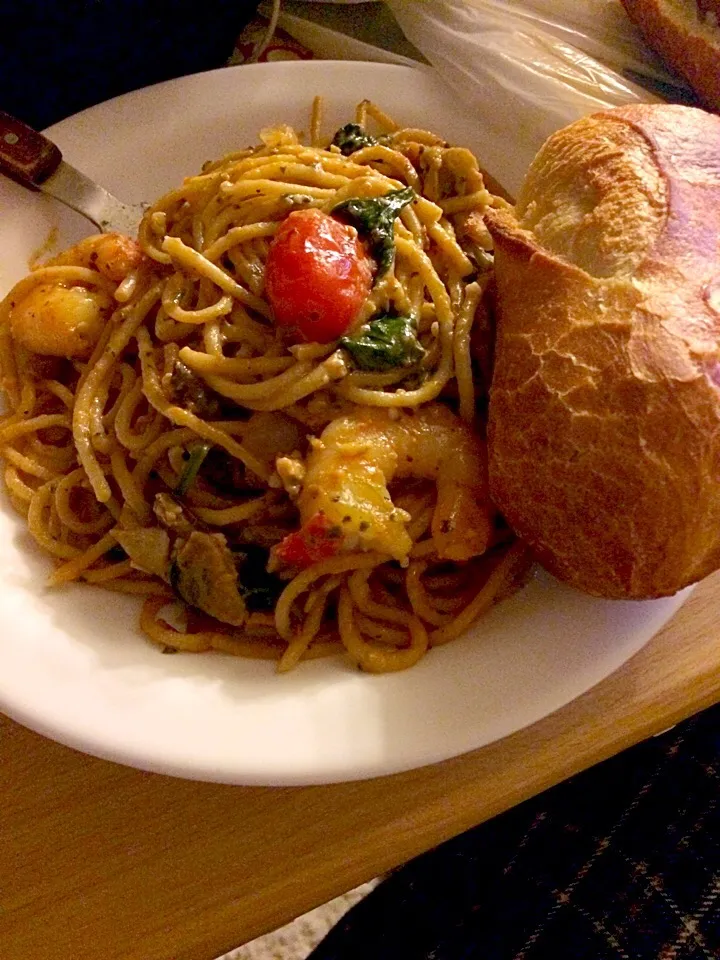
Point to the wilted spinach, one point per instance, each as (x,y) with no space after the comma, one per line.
(352,137)
(389,341)
(374,217)
(258,588)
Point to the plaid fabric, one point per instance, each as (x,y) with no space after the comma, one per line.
(622,861)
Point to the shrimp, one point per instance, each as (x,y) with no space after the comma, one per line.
(344,501)
(112,254)
(60,321)
(63,316)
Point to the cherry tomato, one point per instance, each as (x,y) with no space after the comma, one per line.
(315,541)
(318,275)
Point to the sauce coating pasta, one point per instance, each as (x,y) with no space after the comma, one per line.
(269,407)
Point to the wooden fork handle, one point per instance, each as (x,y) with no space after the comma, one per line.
(26,154)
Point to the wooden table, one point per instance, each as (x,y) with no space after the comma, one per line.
(100,862)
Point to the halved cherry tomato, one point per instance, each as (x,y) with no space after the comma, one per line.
(318,275)
(315,541)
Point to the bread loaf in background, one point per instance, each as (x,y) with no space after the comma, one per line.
(604,418)
(686,34)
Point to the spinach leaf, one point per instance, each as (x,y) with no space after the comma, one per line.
(374,217)
(191,468)
(389,342)
(258,588)
(352,137)
(115,554)
(174,575)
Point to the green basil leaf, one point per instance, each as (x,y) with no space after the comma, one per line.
(389,342)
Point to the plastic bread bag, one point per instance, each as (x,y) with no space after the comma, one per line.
(527,67)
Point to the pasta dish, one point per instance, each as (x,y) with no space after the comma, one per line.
(265,413)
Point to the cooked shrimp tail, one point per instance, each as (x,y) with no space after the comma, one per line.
(344,501)
(112,254)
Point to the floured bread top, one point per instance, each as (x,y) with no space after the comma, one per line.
(604,415)
(595,197)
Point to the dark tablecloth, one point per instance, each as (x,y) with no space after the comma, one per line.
(60,56)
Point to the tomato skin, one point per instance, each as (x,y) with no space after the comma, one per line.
(313,542)
(318,275)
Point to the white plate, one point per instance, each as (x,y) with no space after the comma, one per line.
(72,662)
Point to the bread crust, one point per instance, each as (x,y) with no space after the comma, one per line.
(604,417)
(681,33)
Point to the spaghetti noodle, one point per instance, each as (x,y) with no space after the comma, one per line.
(269,407)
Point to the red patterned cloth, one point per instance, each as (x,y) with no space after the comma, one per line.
(281,47)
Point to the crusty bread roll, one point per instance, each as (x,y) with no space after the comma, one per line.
(604,418)
(686,33)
